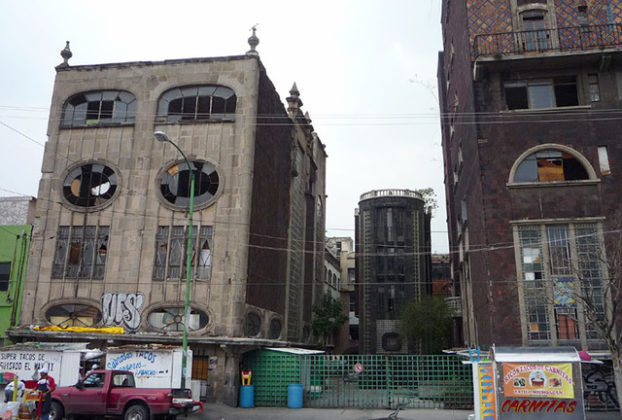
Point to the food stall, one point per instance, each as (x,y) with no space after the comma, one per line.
(529,383)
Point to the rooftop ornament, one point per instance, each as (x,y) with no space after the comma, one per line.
(66,54)
(253,41)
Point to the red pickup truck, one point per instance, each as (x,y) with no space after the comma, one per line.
(113,393)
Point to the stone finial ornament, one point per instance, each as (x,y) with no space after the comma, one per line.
(253,41)
(66,54)
(293,101)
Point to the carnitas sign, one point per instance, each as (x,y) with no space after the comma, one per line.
(540,391)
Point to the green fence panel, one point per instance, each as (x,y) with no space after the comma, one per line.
(362,381)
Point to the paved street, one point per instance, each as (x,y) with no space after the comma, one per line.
(224,412)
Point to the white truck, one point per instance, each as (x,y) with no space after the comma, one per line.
(152,366)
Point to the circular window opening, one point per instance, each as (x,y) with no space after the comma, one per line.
(172,319)
(274,331)
(253,324)
(90,185)
(73,315)
(175,183)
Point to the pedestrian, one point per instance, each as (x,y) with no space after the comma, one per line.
(45,385)
(8,390)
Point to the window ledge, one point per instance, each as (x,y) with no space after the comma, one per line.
(546,110)
(550,184)
(98,125)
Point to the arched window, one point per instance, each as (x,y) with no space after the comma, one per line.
(103,107)
(172,318)
(197,103)
(551,163)
(73,315)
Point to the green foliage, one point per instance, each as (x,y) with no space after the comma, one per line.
(427,322)
(328,315)
(429,198)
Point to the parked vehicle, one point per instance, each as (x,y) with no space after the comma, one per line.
(114,393)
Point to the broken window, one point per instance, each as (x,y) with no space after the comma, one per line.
(5,276)
(550,165)
(81,252)
(540,94)
(171,257)
(175,184)
(90,185)
(105,107)
(196,103)
(71,315)
(173,319)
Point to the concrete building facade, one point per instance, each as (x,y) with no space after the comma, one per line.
(392,264)
(531,157)
(111,226)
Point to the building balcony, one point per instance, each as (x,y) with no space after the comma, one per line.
(565,41)
(455,305)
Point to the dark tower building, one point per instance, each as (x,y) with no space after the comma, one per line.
(530,94)
(393,264)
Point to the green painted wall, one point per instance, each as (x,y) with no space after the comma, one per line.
(14,247)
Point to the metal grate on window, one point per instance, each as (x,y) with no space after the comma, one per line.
(81,252)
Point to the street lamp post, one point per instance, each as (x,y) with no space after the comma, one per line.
(161,136)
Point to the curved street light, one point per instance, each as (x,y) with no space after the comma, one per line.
(161,136)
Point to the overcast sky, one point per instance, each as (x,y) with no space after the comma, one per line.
(366,72)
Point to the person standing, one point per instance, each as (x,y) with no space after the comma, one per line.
(45,385)
(10,387)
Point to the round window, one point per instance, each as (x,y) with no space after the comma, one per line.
(73,315)
(275,328)
(175,183)
(90,185)
(253,324)
(172,319)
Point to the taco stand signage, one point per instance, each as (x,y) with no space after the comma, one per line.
(528,384)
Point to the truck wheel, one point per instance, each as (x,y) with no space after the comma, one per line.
(136,412)
(56,411)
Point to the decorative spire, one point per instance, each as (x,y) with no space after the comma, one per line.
(293,102)
(253,41)
(66,54)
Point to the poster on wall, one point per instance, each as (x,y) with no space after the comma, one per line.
(552,380)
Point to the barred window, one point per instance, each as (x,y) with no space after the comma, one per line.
(104,107)
(197,103)
(81,252)
(558,262)
(171,257)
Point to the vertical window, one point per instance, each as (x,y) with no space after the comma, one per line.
(594,87)
(5,275)
(170,255)
(603,160)
(81,252)
(535,36)
(570,253)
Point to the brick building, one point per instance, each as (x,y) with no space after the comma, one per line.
(530,94)
(111,224)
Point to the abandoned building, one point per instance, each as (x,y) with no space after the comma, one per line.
(111,222)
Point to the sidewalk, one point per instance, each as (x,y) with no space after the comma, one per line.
(224,412)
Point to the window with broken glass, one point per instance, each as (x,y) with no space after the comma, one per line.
(90,185)
(559,266)
(550,165)
(540,94)
(197,103)
(175,184)
(104,107)
(171,257)
(81,252)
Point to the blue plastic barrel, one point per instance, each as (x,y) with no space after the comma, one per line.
(247,396)
(294,396)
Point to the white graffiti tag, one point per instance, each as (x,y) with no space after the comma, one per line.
(122,309)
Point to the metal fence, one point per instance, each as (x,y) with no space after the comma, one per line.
(363,381)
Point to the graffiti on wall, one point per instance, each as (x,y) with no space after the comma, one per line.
(599,390)
(122,309)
